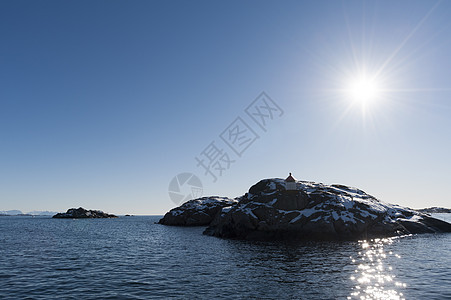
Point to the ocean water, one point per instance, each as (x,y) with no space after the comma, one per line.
(134,258)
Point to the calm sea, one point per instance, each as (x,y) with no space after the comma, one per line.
(133,258)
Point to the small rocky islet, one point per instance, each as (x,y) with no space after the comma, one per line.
(289,209)
(81,213)
(197,212)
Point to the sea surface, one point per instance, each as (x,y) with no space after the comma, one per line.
(134,258)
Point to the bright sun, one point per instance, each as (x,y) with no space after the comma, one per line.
(363,90)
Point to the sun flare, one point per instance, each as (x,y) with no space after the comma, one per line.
(363,89)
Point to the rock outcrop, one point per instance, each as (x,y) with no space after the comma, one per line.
(197,212)
(81,213)
(316,211)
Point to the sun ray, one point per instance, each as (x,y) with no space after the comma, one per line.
(406,39)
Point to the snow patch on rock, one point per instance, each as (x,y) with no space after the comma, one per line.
(316,210)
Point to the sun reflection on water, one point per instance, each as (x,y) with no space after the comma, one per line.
(373,278)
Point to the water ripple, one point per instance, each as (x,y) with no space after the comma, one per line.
(133,258)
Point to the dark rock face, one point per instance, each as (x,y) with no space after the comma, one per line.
(197,212)
(81,213)
(315,211)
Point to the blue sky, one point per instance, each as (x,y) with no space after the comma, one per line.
(102,103)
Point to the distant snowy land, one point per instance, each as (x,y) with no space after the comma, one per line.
(31,213)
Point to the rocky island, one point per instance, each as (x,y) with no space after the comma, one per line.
(197,212)
(81,213)
(290,209)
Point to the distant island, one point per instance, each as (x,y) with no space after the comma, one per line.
(72,213)
(81,213)
(290,209)
(435,210)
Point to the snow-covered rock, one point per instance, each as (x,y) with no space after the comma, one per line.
(81,213)
(197,212)
(317,211)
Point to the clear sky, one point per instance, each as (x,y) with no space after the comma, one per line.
(102,103)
